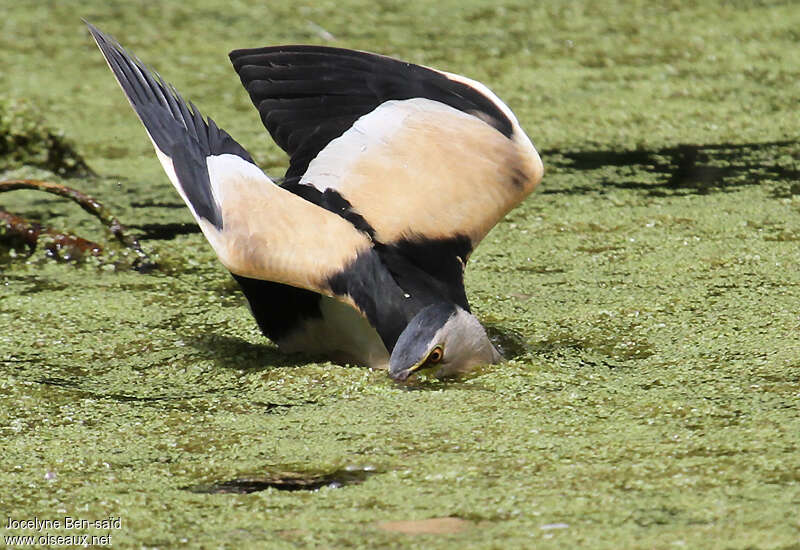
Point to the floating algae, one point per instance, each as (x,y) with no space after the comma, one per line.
(652,401)
(26,141)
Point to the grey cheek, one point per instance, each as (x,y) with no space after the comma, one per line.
(444,370)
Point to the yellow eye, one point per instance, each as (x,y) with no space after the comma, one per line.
(436,355)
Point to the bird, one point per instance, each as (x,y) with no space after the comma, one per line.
(396,173)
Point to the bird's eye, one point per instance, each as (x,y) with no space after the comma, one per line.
(436,355)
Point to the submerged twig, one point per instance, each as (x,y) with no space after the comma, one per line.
(29,232)
(58,244)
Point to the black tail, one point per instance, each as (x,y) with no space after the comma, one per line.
(176,127)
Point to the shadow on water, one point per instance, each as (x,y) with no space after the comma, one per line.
(164,231)
(234,353)
(75,386)
(686,169)
(288,481)
(607,346)
(156,204)
(511,344)
(179,400)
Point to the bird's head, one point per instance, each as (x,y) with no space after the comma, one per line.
(442,336)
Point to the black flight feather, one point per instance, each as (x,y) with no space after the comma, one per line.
(176,127)
(310,95)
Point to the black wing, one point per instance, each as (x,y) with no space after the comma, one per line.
(176,127)
(258,229)
(310,95)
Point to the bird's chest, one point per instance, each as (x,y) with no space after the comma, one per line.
(340,333)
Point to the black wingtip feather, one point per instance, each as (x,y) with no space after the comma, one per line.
(176,126)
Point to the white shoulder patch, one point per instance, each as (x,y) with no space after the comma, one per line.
(376,129)
(419,168)
(227,171)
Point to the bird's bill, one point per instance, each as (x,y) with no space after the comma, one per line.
(403,374)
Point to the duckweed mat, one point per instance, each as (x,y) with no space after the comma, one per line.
(647,297)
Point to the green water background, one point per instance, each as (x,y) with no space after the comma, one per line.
(648,294)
